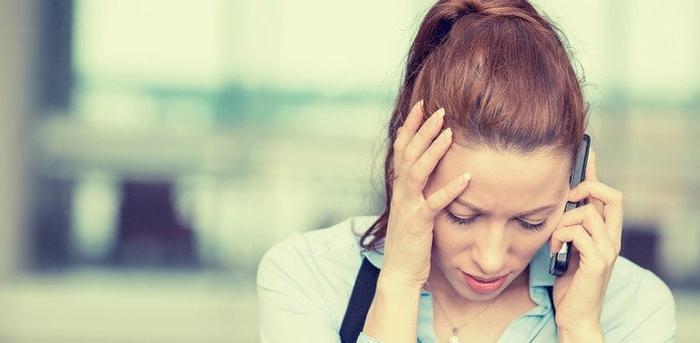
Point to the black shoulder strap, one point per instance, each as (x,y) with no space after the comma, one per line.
(551,300)
(360,301)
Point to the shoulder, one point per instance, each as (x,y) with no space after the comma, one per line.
(319,266)
(635,298)
(313,246)
(631,284)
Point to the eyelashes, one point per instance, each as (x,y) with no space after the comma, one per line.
(466,221)
(531,227)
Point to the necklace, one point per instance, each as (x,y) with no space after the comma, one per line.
(455,329)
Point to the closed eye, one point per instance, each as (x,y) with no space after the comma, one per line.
(469,220)
(459,220)
(531,227)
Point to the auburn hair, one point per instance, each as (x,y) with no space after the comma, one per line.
(503,74)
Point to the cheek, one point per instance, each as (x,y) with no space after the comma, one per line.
(528,246)
(447,238)
(530,242)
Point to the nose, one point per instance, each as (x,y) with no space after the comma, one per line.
(491,250)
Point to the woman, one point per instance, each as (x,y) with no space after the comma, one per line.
(474,204)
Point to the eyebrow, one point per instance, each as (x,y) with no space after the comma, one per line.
(477,209)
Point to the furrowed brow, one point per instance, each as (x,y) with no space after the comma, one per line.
(475,208)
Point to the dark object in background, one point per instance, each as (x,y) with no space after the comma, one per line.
(640,244)
(51,223)
(55,56)
(148,230)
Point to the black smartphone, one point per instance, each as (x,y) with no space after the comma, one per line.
(560,260)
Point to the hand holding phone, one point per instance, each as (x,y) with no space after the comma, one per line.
(559,262)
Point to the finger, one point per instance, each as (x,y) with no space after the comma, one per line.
(426,163)
(592,174)
(422,139)
(588,217)
(443,197)
(588,252)
(591,165)
(404,133)
(611,199)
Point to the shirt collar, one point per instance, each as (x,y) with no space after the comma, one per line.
(539,265)
(539,268)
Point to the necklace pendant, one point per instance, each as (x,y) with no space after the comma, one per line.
(453,338)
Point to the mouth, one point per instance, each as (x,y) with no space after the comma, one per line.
(484,285)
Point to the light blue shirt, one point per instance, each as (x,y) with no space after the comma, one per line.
(304,284)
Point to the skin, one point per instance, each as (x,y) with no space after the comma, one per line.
(505,185)
(425,164)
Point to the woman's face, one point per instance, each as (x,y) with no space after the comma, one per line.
(499,201)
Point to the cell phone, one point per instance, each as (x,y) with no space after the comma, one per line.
(559,262)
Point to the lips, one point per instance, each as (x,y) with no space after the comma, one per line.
(482,279)
(484,285)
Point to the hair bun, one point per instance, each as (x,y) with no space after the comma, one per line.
(469,6)
(452,10)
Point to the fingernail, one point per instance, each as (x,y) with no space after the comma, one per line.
(441,112)
(466,177)
(437,114)
(446,133)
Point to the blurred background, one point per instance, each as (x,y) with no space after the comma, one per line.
(152,151)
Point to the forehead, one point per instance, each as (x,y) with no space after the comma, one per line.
(506,181)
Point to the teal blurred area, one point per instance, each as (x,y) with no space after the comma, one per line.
(151,151)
